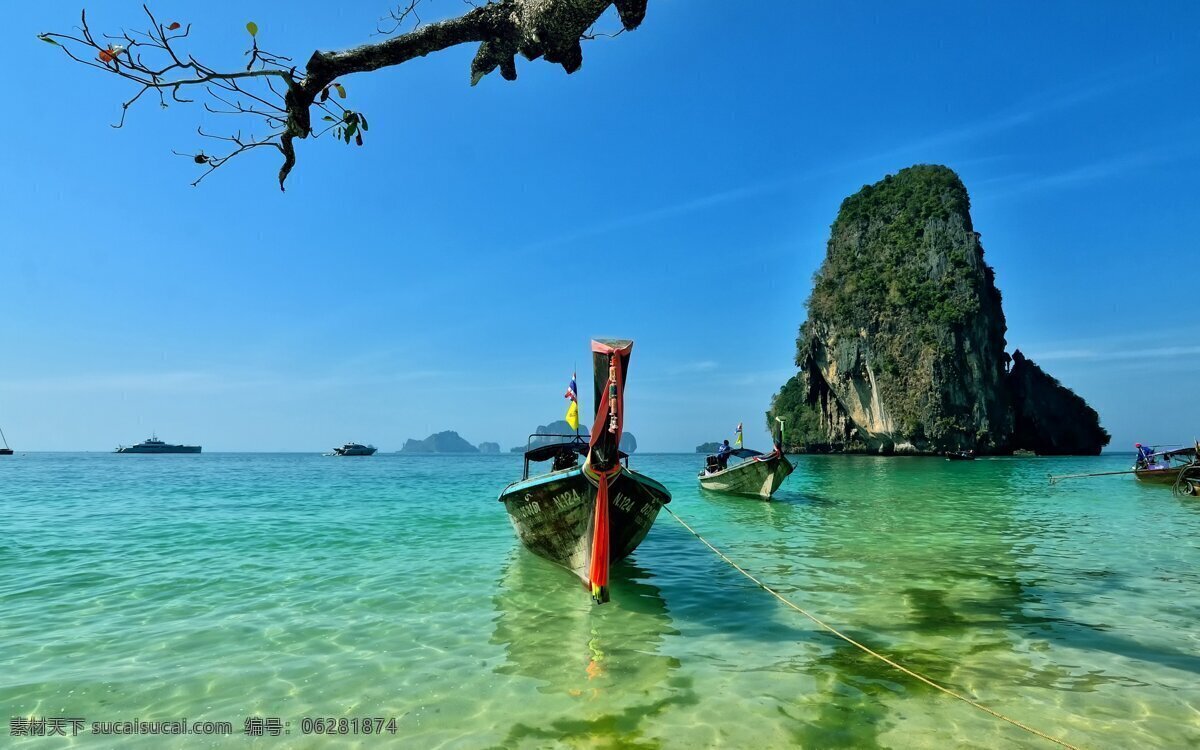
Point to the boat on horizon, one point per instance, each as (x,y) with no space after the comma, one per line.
(355,449)
(586,515)
(154,445)
(755,474)
(960,455)
(5,451)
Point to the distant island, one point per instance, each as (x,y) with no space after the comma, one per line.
(903,350)
(707,447)
(440,442)
(628,441)
(489,447)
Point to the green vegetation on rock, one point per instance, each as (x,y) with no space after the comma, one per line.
(905,248)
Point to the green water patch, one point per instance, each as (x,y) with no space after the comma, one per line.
(626,729)
(931,614)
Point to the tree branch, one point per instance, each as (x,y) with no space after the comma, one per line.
(549,29)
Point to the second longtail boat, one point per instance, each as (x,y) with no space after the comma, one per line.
(584,517)
(756,474)
(1164,467)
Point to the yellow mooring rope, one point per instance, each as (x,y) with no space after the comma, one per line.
(866,649)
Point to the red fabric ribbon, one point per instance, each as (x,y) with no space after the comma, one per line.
(598,571)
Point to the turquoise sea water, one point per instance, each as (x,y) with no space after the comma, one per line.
(220,587)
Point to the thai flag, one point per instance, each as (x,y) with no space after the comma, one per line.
(572,390)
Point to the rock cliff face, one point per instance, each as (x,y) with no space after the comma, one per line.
(441,442)
(489,447)
(1048,418)
(903,349)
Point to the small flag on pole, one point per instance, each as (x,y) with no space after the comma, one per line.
(572,395)
(737,441)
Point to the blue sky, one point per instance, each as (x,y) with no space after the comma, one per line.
(677,190)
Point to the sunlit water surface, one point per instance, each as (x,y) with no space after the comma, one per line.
(220,587)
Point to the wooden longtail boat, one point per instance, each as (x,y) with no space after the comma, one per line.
(585,516)
(756,474)
(960,455)
(1165,467)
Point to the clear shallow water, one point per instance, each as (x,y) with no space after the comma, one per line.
(217,587)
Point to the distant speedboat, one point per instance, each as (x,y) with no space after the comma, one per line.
(154,445)
(355,449)
(755,474)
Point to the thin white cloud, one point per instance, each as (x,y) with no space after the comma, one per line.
(1016,116)
(1107,168)
(664,212)
(207,382)
(1116,354)
(706,365)
(1012,117)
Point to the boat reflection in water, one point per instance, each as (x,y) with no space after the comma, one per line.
(607,658)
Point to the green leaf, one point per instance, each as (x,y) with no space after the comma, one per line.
(341,91)
(330,119)
(48,40)
(324,93)
(252,27)
(351,129)
(363,119)
(358,139)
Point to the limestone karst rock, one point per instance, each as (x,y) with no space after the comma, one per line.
(903,350)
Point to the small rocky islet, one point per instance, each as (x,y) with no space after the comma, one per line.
(447,441)
(560,427)
(904,350)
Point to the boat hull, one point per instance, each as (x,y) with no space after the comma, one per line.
(553,515)
(156,449)
(1160,476)
(754,478)
(6,451)
(355,452)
